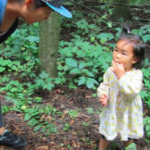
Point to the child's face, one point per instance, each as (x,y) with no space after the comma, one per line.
(123,53)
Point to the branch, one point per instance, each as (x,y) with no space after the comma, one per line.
(88,9)
(148,46)
(119,4)
(142,20)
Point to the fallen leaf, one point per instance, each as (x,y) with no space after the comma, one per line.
(42,148)
(72,122)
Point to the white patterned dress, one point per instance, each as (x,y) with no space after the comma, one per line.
(123,115)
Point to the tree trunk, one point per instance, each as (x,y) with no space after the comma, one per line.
(48,47)
(121,11)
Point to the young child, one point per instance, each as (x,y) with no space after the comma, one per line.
(122,116)
(30,11)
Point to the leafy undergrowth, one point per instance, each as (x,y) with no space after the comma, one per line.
(75,129)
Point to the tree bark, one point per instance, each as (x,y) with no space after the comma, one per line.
(121,11)
(48,47)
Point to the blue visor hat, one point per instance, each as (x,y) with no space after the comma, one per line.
(56,5)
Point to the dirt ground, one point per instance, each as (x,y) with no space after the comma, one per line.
(78,137)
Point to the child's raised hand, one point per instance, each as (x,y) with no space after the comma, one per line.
(118,69)
(103,99)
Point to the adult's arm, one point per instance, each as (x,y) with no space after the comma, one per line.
(3,4)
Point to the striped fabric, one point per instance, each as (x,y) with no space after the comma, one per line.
(2,9)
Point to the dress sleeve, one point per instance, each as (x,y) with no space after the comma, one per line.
(104,86)
(131,86)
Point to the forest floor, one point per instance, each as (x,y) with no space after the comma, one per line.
(83,131)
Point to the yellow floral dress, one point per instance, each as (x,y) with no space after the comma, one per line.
(123,115)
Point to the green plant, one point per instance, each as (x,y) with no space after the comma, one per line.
(34,118)
(66,127)
(38,99)
(131,147)
(147,126)
(83,62)
(90,110)
(44,81)
(72,113)
(5,109)
(146,93)
(85,124)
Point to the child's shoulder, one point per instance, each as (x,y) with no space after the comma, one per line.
(139,71)
(136,72)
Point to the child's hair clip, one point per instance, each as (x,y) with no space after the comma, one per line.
(128,31)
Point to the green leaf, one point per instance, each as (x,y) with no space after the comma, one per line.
(32,38)
(75,71)
(27,117)
(14,89)
(2,69)
(5,79)
(82,24)
(105,37)
(131,146)
(90,110)
(147,128)
(44,75)
(143,94)
(38,127)
(72,113)
(109,24)
(82,65)
(16,83)
(53,130)
(90,74)
(90,82)
(146,37)
(71,62)
(31,121)
(81,81)
(48,86)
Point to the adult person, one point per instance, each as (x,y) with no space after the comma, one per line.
(30,11)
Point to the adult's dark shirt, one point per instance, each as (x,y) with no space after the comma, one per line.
(4,36)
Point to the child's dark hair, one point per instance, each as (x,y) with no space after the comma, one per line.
(138,45)
(40,3)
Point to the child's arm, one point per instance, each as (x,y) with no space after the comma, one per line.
(103,89)
(131,86)
(128,86)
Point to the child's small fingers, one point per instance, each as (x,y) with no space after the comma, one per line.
(103,96)
(103,102)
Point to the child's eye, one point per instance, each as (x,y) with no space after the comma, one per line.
(124,54)
(115,50)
